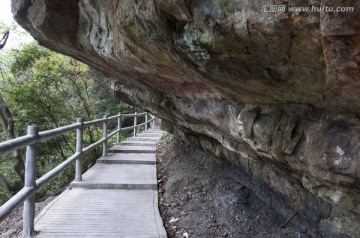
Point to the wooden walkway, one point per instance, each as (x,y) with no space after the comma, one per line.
(117,197)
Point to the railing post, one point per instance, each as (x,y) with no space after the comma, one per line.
(135,123)
(105,129)
(30,181)
(118,138)
(79,147)
(153,122)
(146,121)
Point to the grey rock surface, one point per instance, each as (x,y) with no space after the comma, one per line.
(275,93)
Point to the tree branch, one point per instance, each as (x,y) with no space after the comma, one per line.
(7,121)
(5,184)
(4,39)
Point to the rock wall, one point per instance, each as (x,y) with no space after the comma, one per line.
(275,93)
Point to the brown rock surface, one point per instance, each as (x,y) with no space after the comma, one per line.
(275,93)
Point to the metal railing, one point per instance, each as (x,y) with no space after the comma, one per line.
(30,141)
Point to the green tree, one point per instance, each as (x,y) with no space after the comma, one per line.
(50,90)
(7,123)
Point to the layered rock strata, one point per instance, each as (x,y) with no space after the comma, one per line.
(276,93)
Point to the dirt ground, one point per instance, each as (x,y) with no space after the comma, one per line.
(11,227)
(202,202)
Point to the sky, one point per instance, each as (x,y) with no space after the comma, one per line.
(6,17)
(5,11)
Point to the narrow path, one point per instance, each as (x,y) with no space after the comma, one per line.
(117,197)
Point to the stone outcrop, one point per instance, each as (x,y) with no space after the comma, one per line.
(276,93)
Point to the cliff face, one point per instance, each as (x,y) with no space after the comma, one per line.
(275,93)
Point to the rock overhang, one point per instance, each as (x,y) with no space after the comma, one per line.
(263,90)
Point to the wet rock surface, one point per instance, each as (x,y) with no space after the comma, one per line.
(275,94)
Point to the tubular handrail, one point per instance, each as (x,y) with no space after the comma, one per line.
(27,193)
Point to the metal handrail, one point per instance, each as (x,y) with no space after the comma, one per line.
(31,185)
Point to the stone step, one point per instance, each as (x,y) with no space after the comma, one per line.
(128,158)
(137,143)
(156,139)
(118,176)
(132,149)
(157,135)
(155,130)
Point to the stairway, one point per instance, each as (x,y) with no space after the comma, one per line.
(129,165)
(116,198)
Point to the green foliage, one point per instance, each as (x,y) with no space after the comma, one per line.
(25,57)
(164,136)
(50,90)
(13,27)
